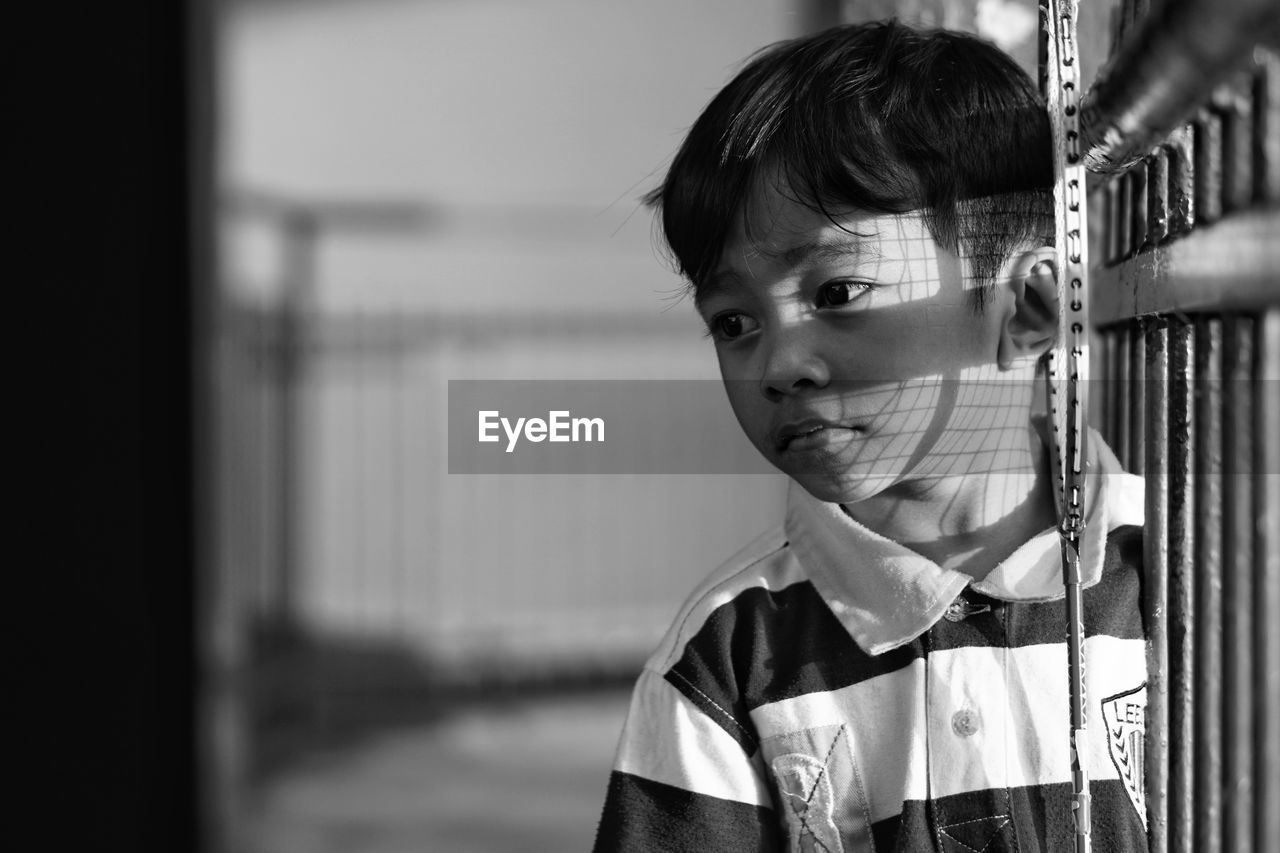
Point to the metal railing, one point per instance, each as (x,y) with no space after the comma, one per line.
(365,575)
(1183,125)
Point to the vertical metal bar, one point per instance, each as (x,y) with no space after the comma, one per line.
(1123,381)
(1181,518)
(1156,593)
(1097,222)
(363,440)
(1137,224)
(1095,389)
(400,468)
(1237,586)
(1208,592)
(1208,177)
(301,233)
(1111,250)
(1118,373)
(1123,224)
(1266,127)
(1107,376)
(1266,435)
(1181,150)
(1137,378)
(1157,225)
(259,524)
(1236,99)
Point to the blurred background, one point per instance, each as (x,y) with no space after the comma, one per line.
(409,192)
(281,227)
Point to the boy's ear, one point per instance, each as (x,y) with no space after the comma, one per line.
(1030,323)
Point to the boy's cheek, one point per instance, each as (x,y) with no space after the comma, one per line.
(932,340)
(742,368)
(734,370)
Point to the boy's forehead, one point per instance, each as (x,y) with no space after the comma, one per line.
(774,227)
(777,235)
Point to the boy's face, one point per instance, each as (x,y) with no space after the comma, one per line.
(852,354)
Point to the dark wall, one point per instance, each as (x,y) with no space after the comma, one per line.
(130,141)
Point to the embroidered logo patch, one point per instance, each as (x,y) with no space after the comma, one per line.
(809,800)
(1125,716)
(820,797)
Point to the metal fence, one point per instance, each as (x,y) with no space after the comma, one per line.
(364,574)
(1188,302)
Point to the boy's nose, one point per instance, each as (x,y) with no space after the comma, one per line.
(792,366)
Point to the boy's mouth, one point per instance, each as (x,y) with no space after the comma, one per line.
(807,432)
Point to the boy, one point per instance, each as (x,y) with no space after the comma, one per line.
(862,215)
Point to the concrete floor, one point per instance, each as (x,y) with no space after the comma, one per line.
(526,775)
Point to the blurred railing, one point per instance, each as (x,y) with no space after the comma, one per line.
(1185,123)
(366,575)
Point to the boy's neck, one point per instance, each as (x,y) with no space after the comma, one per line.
(969,519)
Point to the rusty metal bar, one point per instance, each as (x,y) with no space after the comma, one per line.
(1157,224)
(1137,396)
(1155,598)
(1121,378)
(1096,197)
(1181,149)
(1109,409)
(1208,593)
(1266,435)
(1208,162)
(1111,242)
(1138,207)
(1237,588)
(1168,64)
(1123,223)
(1181,522)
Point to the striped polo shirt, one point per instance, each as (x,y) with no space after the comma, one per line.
(830,690)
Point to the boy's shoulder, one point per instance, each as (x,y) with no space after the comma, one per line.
(764,563)
(769,565)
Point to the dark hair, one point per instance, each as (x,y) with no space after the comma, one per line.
(876,117)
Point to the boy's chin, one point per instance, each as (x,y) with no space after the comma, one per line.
(842,487)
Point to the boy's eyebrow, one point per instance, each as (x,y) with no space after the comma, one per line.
(827,248)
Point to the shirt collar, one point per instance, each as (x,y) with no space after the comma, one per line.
(886,595)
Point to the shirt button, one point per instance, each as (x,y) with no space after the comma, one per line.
(965,722)
(962,608)
(956,610)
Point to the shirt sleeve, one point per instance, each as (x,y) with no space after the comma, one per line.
(681,782)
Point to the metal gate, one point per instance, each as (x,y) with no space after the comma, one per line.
(1186,145)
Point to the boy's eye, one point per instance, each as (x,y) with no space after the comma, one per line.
(730,325)
(833,294)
